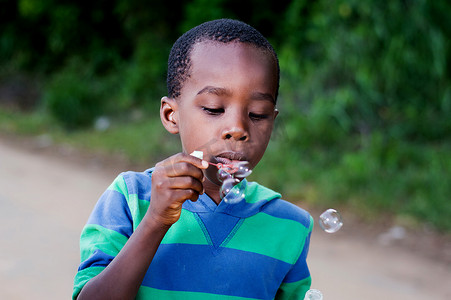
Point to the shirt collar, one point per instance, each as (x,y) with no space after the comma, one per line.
(256,196)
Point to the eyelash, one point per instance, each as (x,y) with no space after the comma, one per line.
(257,117)
(218,111)
(213,111)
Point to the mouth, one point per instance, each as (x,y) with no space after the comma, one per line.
(230,157)
(226,160)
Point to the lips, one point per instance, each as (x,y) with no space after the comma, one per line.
(230,157)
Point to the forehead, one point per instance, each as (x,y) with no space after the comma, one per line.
(232,63)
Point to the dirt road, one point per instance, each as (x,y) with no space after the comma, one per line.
(45,200)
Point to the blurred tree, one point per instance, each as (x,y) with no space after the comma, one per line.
(371,66)
(364,65)
(45,33)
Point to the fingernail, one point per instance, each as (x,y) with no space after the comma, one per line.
(204,164)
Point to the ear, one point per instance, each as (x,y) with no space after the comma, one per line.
(168,111)
(276,113)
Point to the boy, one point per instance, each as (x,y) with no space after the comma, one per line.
(165,233)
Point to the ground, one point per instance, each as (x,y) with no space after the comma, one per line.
(47,193)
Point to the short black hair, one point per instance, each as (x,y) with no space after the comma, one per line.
(221,30)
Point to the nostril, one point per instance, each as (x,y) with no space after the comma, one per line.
(236,134)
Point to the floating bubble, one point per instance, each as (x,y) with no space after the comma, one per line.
(223,175)
(330,221)
(242,169)
(232,190)
(313,294)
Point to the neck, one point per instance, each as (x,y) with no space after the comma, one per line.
(212,190)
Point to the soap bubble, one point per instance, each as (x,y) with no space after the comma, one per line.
(330,221)
(231,175)
(232,190)
(313,294)
(242,169)
(223,175)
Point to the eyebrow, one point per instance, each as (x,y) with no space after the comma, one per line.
(219,91)
(263,96)
(214,90)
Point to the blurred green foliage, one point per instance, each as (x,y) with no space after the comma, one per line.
(365,95)
(373,66)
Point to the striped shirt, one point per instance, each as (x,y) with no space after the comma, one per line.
(254,249)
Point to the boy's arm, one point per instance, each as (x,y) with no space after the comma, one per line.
(123,276)
(174,181)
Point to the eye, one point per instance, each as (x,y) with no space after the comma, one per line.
(258,117)
(213,111)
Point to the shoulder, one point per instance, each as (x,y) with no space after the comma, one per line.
(285,210)
(134,183)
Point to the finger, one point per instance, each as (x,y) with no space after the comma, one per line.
(185,183)
(196,161)
(182,168)
(181,195)
(179,157)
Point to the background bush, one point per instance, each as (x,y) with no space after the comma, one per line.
(365,95)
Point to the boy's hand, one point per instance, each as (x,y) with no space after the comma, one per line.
(175,180)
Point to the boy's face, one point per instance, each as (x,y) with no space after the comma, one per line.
(227,106)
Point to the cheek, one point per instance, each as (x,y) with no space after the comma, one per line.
(260,142)
(263,134)
(197,135)
(187,133)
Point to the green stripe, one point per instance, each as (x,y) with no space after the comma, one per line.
(96,237)
(151,293)
(232,233)
(185,230)
(138,207)
(294,290)
(256,192)
(119,185)
(281,239)
(312,222)
(83,277)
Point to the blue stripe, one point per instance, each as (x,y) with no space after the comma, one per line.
(217,234)
(198,268)
(300,269)
(282,209)
(97,259)
(139,183)
(112,212)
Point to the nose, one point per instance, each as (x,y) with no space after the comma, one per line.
(236,129)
